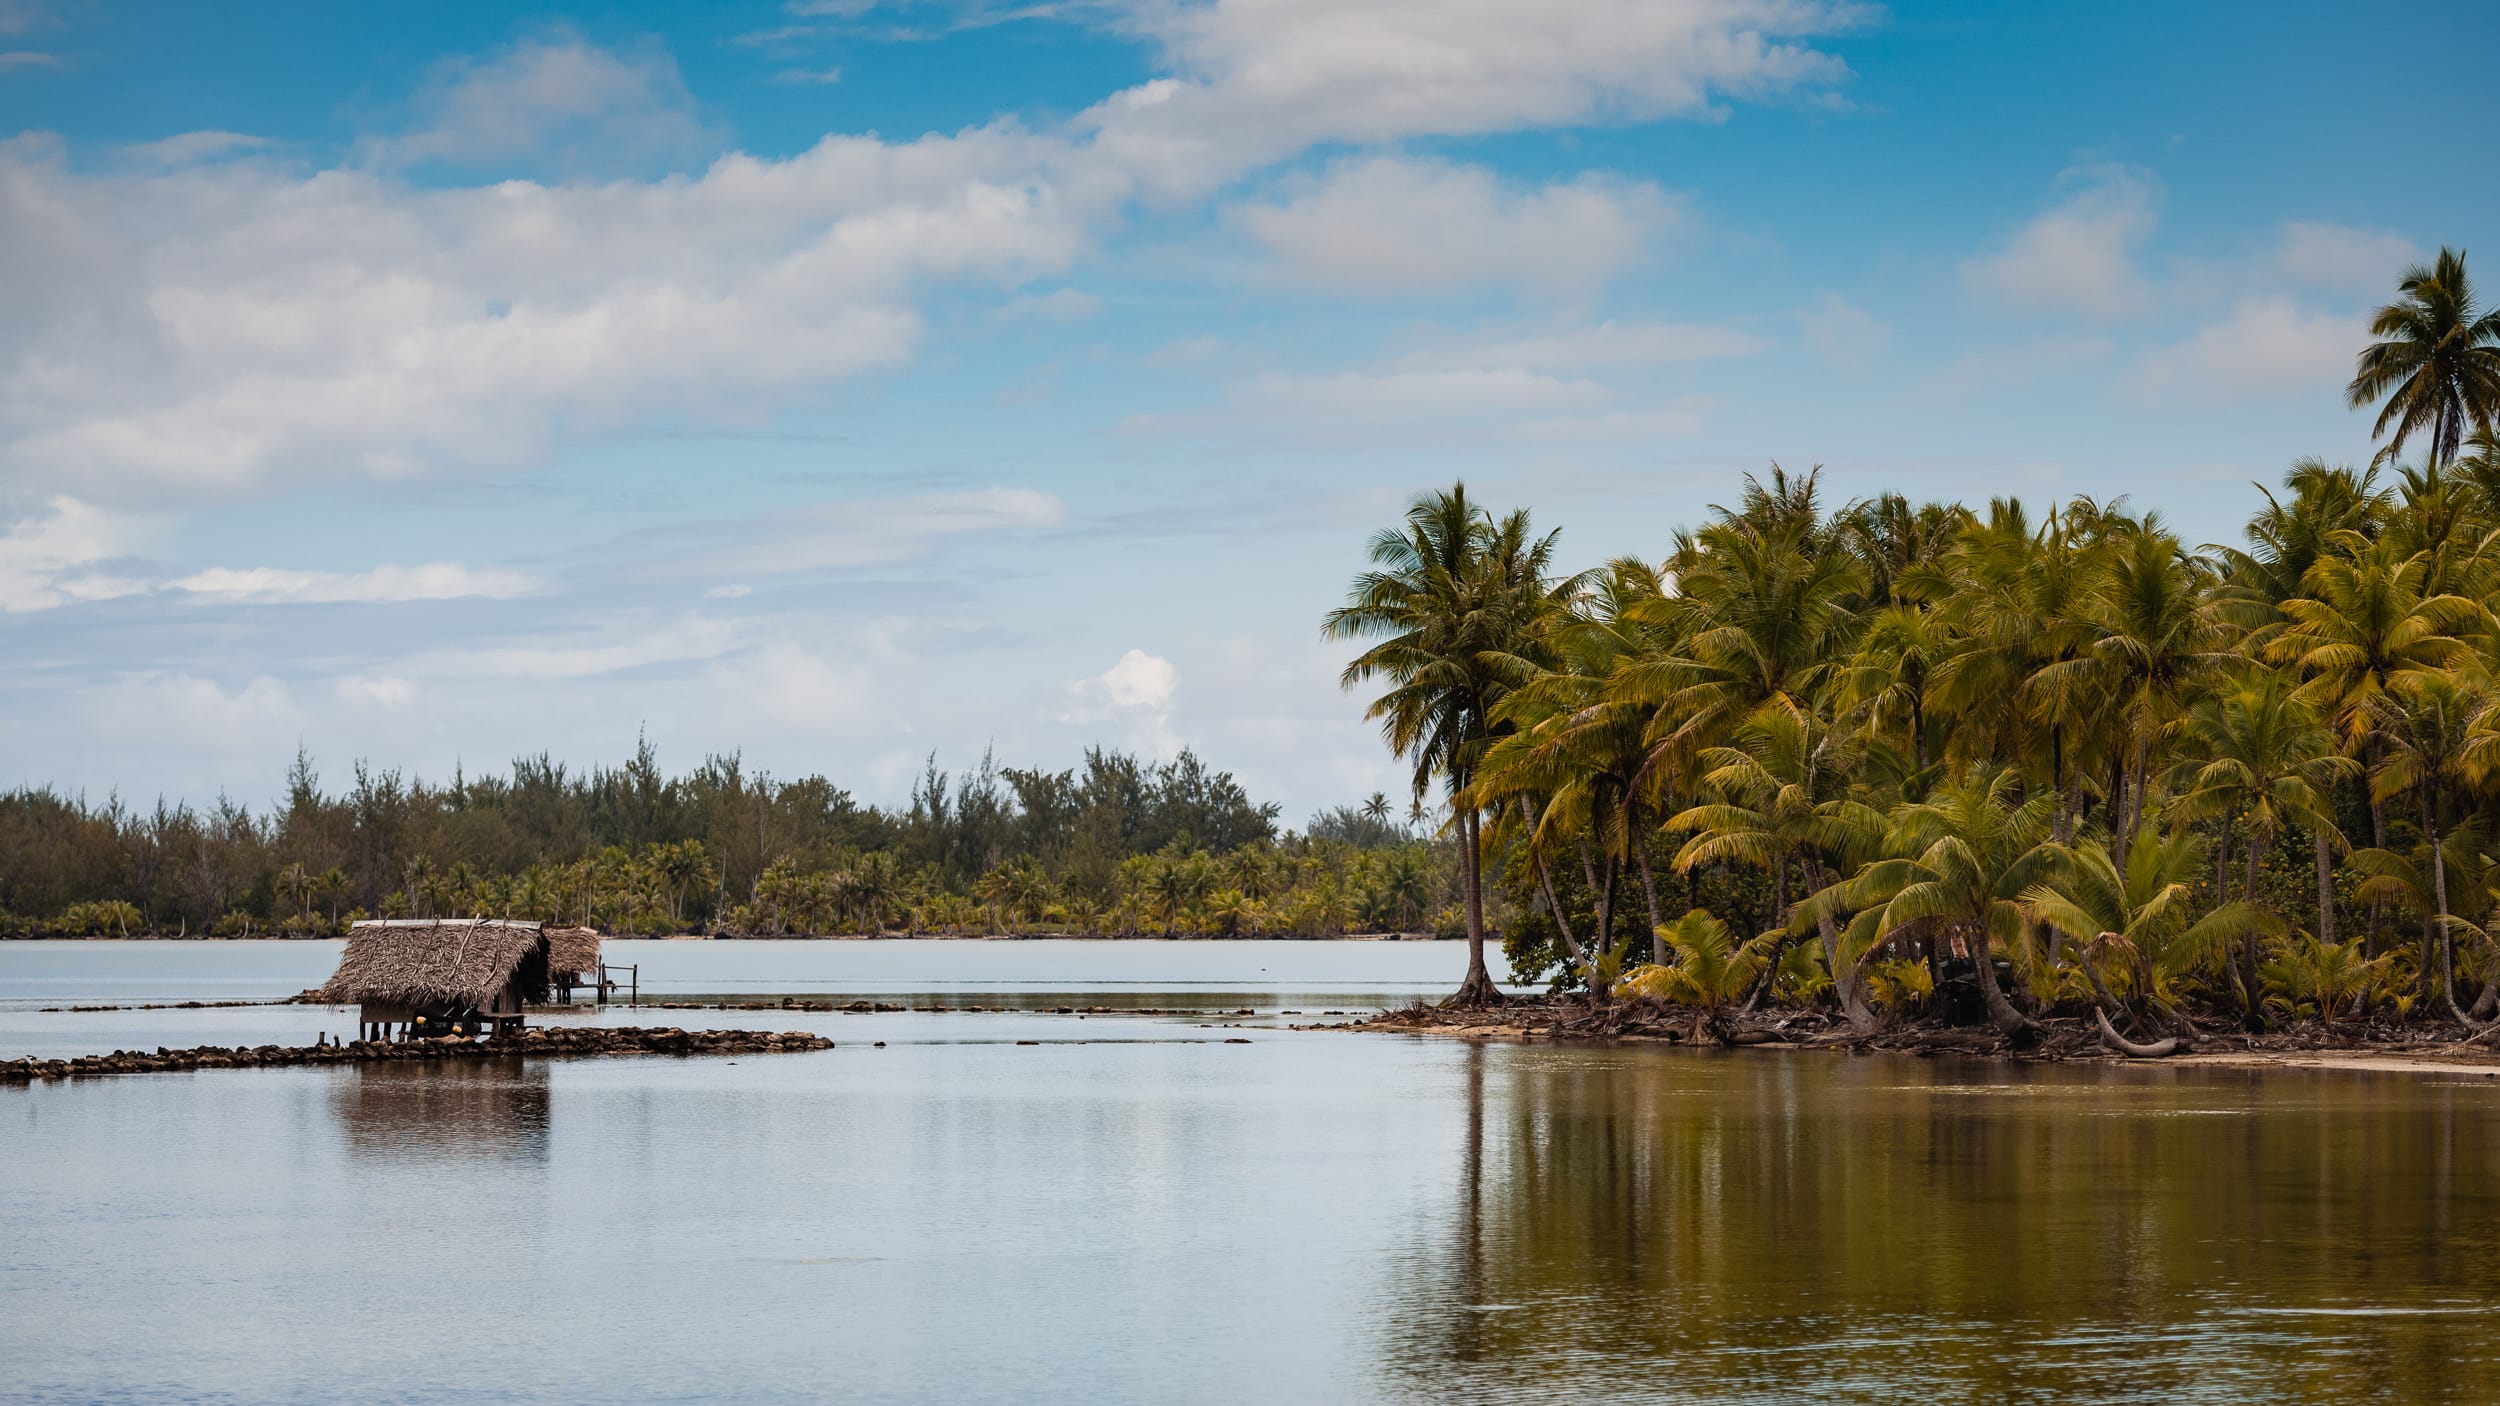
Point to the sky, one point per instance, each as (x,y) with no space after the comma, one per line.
(846,383)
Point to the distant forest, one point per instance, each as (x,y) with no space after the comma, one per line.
(1118,845)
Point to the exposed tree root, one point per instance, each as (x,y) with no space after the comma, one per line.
(2159,1049)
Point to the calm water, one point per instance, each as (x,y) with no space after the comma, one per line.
(1135,1211)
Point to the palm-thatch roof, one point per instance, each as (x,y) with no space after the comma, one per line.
(456,962)
(572,950)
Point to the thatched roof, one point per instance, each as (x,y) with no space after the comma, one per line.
(449,962)
(573,950)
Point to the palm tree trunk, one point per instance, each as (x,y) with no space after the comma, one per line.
(1649,897)
(2001,1013)
(2248,940)
(2326,889)
(2117,812)
(1562,920)
(1846,984)
(1478,989)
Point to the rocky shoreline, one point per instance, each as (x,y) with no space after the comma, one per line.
(2057,1039)
(537,1042)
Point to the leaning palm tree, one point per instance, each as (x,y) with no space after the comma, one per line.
(2436,363)
(1457,598)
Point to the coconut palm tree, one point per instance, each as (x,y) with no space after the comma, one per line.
(1711,972)
(2436,364)
(1782,796)
(2142,917)
(1962,860)
(1454,598)
(2256,752)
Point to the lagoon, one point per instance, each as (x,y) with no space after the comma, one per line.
(1133,1209)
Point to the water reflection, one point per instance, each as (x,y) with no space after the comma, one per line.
(1747,1228)
(465,1110)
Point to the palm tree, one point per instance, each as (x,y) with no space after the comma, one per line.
(2142,917)
(1712,971)
(2160,639)
(1457,596)
(1783,795)
(2256,751)
(1962,861)
(2428,754)
(1572,758)
(2436,363)
(2362,634)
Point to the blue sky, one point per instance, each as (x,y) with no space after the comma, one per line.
(846,382)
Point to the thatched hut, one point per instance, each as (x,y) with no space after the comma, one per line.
(572,960)
(440,976)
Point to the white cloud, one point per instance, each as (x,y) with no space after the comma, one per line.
(376,690)
(1389,225)
(1387,393)
(256,720)
(16,59)
(2345,259)
(52,558)
(813,77)
(440,580)
(1260,79)
(585,106)
(1136,692)
(233,328)
(1599,345)
(2265,346)
(2078,256)
(1843,335)
(188,147)
(216,329)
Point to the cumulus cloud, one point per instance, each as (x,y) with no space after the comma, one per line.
(1137,692)
(1388,225)
(56,556)
(237,328)
(585,108)
(253,720)
(182,328)
(2265,346)
(440,580)
(2079,255)
(2344,259)
(1259,79)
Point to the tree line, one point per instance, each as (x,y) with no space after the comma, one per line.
(1117,845)
(1839,754)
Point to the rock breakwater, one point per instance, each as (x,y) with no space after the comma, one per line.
(595,1040)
